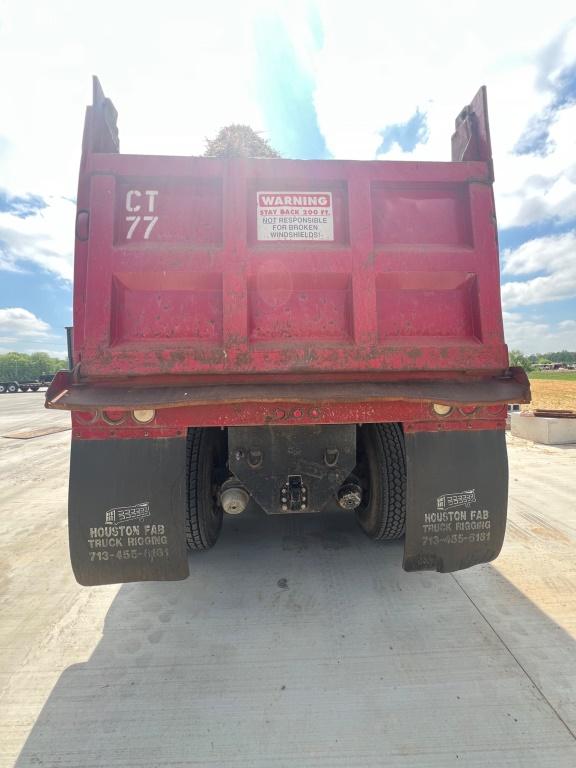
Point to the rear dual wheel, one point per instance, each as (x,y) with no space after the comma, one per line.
(381,471)
(207,470)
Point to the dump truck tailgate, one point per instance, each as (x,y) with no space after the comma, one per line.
(196,265)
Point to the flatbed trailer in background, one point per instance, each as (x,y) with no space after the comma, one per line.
(21,386)
(290,333)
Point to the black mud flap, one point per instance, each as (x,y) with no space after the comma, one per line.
(457,497)
(126,510)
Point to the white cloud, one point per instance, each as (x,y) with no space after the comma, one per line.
(532,334)
(539,188)
(432,58)
(23,331)
(176,75)
(21,325)
(552,253)
(555,256)
(45,239)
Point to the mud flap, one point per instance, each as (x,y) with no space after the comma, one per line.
(457,498)
(126,509)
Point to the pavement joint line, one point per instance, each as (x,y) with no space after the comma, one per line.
(28,434)
(518,662)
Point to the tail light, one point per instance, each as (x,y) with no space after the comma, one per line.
(113,417)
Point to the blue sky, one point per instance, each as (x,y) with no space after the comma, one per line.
(323,79)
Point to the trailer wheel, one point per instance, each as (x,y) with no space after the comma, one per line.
(34,389)
(381,470)
(206,457)
(23,389)
(11,388)
(2,388)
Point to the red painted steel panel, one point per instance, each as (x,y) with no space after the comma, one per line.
(186,307)
(421,214)
(186,211)
(427,306)
(286,306)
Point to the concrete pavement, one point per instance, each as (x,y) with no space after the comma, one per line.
(295,642)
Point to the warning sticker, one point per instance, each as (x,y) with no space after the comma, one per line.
(295,216)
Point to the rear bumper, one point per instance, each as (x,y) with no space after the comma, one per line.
(67,394)
(178,406)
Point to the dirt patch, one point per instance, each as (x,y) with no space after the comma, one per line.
(552,394)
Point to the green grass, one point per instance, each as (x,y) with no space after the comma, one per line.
(553,375)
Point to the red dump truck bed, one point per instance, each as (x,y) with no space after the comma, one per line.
(204,265)
(289,303)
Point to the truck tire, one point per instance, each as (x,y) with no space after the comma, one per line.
(2,388)
(11,388)
(206,459)
(23,389)
(34,389)
(381,470)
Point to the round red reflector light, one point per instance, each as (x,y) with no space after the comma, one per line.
(113,416)
(84,417)
(467,410)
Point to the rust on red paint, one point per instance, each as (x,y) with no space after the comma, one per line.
(495,393)
(173,422)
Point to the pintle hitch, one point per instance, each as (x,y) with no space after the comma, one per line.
(294,496)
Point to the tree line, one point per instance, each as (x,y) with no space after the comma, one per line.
(528,361)
(18,366)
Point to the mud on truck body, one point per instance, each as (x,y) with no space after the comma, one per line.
(294,334)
